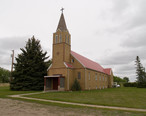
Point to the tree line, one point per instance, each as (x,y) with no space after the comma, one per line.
(4,75)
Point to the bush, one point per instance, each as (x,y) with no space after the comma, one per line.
(141,85)
(76,86)
(134,84)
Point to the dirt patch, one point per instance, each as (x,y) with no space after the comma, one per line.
(4,84)
(10,107)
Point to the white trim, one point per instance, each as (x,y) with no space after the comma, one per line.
(78,61)
(65,65)
(58,30)
(49,67)
(52,76)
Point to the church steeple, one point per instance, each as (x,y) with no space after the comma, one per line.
(62,24)
(61,44)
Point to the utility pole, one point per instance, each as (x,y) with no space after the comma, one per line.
(12,55)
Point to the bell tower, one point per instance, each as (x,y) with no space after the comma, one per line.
(61,44)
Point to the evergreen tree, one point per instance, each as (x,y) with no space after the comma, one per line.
(140,71)
(30,67)
(76,86)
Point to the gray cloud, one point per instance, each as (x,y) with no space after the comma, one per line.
(135,40)
(120,6)
(123,57)
(120,27)
(123,62)
(12,43)
(8,44)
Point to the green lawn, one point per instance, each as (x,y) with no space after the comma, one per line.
(122,97)
(88,96)
(5,91)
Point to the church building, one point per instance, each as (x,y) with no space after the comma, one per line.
(68,65)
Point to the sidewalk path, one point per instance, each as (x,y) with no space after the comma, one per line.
(78,104)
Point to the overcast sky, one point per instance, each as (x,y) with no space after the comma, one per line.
(110,32)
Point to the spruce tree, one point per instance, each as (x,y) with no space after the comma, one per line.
(30,67)
(141,75)
(139,70)
(76,86)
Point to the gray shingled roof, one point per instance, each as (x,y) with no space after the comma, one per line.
(62,24)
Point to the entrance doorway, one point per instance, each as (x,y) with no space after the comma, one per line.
(55,83)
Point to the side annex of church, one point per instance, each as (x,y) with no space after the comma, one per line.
(68,65)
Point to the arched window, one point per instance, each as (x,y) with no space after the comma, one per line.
(96,77)
(68,40)
(60,38)
(65,38)
(89,75)
(56,39)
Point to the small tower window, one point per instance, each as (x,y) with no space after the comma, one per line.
(60,38)
(68,40)
(65,38)
(72,60)
(56,39)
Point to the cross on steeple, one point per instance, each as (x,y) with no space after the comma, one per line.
(62,24)
(62,10)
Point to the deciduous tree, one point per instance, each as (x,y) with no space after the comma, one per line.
(4,75)
(126,79)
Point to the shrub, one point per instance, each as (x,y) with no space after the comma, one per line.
(76,86)
(134,84)
(141,85)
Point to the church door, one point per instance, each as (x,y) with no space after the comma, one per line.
(55,83)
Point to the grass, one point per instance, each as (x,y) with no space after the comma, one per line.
(5,91)
(121,97)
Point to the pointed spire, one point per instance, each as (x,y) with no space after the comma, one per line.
(62,24)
